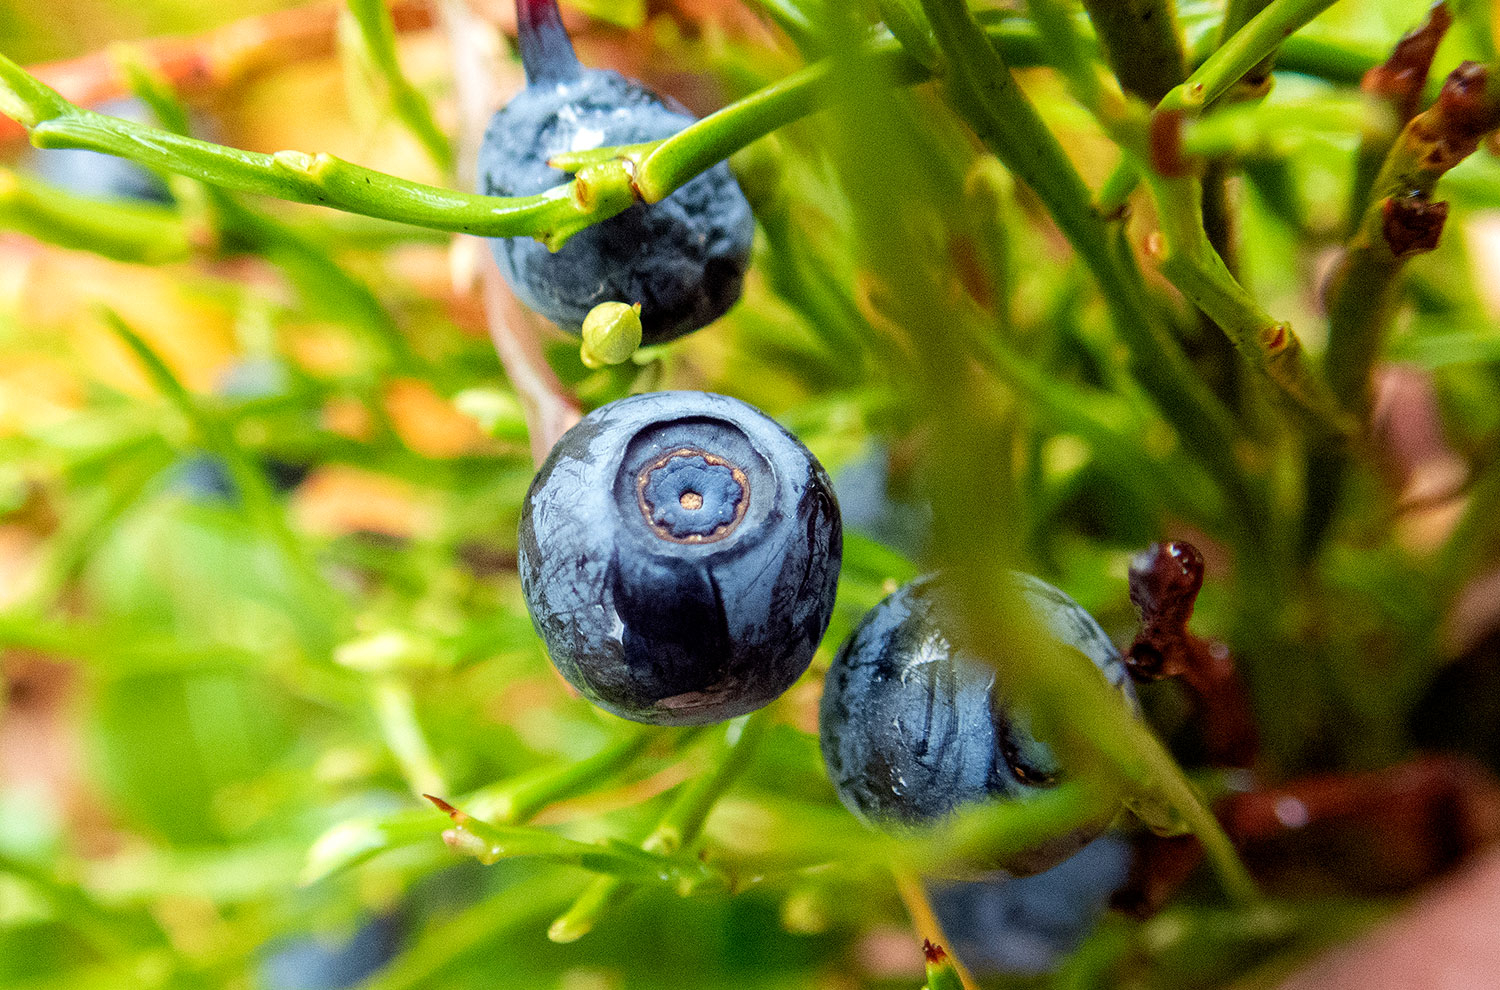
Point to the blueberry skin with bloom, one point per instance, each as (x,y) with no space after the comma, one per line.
(910,726)
(683,258)
(1027,925)
(679,553)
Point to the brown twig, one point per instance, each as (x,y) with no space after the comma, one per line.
(1381,831)
(1401,77)
(1164,584)
(1402,220)
(549,409)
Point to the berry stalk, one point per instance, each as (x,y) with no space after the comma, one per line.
(546,50)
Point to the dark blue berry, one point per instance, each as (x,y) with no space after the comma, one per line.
(1026,925)
(92,173)
(683,259)
(912,728)
(678,553)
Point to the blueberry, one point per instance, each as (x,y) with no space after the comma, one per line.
(910,725)
(1026,925)
(678,553)
(683,259)
(92,173)
(312,964)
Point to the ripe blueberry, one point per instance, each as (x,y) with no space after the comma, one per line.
(678,553)
(92,173)
(911,727)
(683,259)
(1026,925)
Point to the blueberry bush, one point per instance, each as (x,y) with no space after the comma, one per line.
(1184,312)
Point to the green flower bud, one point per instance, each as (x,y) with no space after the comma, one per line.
(611,334)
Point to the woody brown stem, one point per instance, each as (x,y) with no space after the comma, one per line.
(549,409)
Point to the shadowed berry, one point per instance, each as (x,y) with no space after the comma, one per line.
(678,553)
(309,963)
(911,726)
(93,173)
(683,259)
(1026,925)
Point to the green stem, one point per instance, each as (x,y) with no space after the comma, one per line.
(499,920)
(1249,46)
(1399,222)
(1342,63)
(492,843)
(321,179)
(1238,13)
(1267,344)
(517,800)
(984,92)
(552,216)
(396,713)
(378,33)
(139,233)
(677,830)
(1141,42)
(254,489)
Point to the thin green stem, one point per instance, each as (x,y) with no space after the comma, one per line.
(1191,261)
(509,802)
(254,489)
(1400,222)
(1249,46)
(1267,344)
(552,216)
(903,18)
(1141,42)
(378,32)
(676,830)
(1238,13)
(666,166)
(496,920)
(492,843)
(396,713)
(517,800)
(982,89)
(122,230)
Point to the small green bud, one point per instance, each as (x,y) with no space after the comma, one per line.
(498,413)
(611,334)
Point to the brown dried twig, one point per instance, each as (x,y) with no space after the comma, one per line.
(549,408)
(1164,583)
(1402,220)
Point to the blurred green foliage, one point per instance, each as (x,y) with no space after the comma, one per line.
(226,698)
